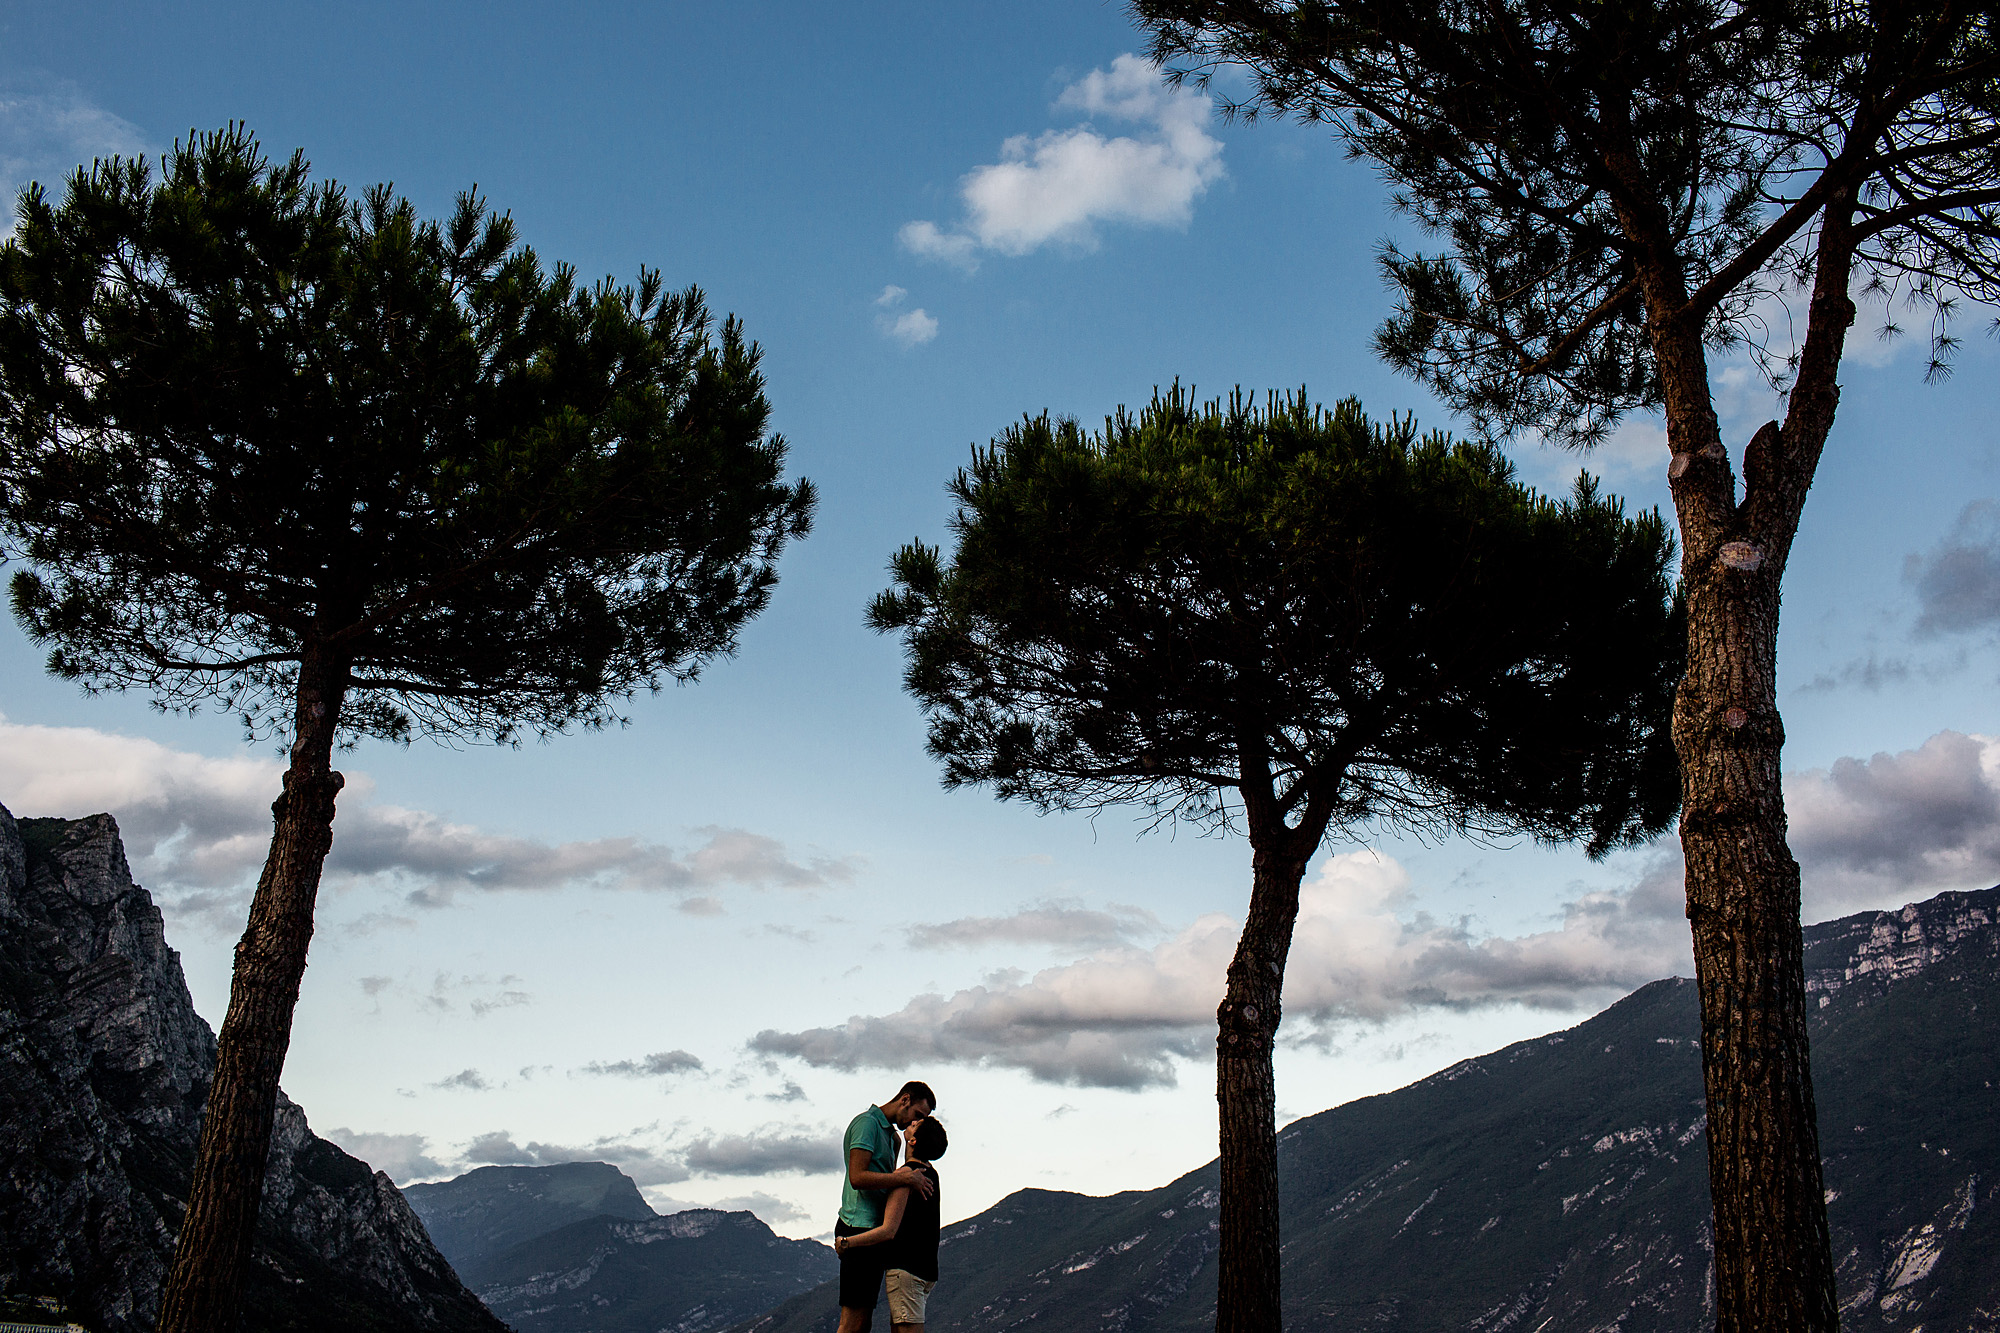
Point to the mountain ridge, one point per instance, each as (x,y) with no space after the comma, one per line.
(1560,1183)
(491,1209)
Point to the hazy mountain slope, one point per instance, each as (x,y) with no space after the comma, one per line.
(103,1068)
(683,1273)
(1560,1185)
(480,1214)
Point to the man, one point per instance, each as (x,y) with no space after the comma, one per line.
(870,1150)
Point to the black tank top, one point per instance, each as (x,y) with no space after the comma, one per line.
(914,1250)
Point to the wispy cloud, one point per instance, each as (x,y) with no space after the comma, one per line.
(660,1064)
(1061,186)
(645,1154)
(1067,924)
(197,829)
(465,1080)
(1957,581)
(48,128)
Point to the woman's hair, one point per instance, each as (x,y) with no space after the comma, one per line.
(927,1139)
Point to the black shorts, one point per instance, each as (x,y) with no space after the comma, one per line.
(861,1272)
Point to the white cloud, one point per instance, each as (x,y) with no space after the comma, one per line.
(768,1208)
(768,1152)
(197,829)
(48,128)
(1060,186)
(404,1157)
(644,1153)
(1124,1016)
(912,328)
(926,241)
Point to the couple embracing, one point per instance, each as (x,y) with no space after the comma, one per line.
(888,1227)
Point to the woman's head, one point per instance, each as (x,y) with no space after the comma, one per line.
(927,1139)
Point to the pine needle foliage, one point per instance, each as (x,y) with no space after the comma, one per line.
(242,414)
(351,473)
(1379,626)
(1556,150)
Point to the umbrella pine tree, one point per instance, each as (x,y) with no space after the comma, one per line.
(1616,192)
(1294,623)
(351,473)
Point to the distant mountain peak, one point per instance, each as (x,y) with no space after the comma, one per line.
(494,1208)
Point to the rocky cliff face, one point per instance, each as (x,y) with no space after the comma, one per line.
(104,1065)
(1878,949)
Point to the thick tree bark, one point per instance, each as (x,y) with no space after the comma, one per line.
(212,1252)
(1773,1260)
(1247,1292)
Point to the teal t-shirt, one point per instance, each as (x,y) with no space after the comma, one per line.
(871,1130)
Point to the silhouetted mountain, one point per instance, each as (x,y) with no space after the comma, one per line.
(494,1208)
(683,1273)
(104,1066)
(1560,1185)
(575,1249)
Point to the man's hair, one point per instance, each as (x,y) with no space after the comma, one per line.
(927,1139)
(918,1091)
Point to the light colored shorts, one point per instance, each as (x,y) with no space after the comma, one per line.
(908,1294)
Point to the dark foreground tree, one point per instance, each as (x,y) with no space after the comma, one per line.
(352,474)
(1618,189)
(1292,623)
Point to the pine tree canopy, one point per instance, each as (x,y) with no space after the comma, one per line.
(245,417)
(1334,616)
(1576,161)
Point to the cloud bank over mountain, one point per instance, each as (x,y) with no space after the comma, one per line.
(1871,832)
(1124,1016)
(197,829)
(648,1154)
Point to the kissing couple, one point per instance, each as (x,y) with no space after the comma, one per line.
(888,1225)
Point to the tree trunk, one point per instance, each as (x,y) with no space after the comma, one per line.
(212,1254)
(1773,1263)
(1247,1290)
(1773,1259)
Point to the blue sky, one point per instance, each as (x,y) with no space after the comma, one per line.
(697,945)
